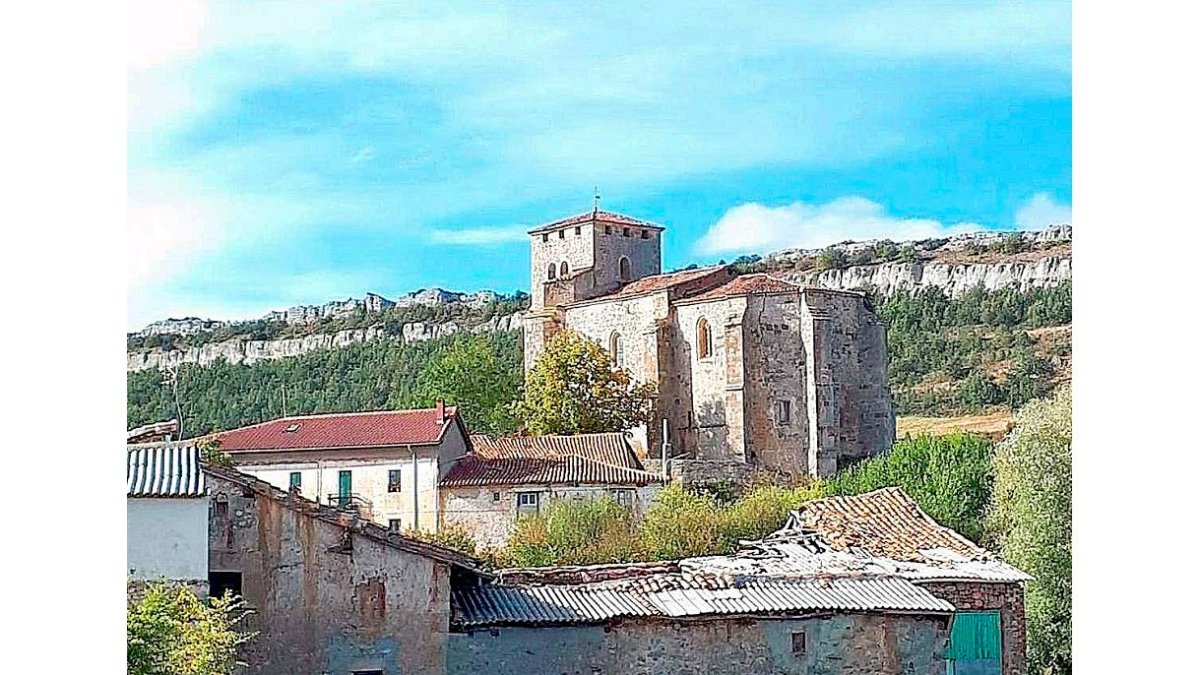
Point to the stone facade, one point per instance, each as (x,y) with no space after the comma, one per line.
(326,599)
(791,379)
(888,644)
(1008,599)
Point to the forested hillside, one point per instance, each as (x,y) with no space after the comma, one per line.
(947,356)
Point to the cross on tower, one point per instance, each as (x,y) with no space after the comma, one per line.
(596,199)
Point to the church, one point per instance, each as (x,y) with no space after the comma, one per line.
(751,369)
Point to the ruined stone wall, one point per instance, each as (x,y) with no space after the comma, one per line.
(572,245)
(318,607)
(489,513)
(1008,598)
(839,644)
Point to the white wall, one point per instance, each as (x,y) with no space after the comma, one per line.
(167,538)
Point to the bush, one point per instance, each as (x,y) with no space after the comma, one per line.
(1030,517)
(763,510)
(451,536)
(681,524)
(832,258)
(169,631)
(574,533)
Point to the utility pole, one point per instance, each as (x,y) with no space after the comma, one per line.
(170,378)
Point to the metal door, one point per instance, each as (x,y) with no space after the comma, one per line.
(974,644)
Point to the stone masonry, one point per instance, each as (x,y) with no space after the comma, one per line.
(1007,598)
(751,369)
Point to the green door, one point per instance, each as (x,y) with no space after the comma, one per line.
(974,644)
(343,488)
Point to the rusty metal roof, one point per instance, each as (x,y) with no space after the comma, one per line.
(597,459)
(685,594)
(164,470)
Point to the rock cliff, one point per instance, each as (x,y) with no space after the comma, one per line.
(953,278)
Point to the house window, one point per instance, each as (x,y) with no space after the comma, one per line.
(552,271)
(294,480)
(562,269)
(799,643)
(704,343)
(623,269)
(394,525)
(615,348)
(783,412)
(495,496)
(527,502)
(393,480)
(220,582)
(624,497)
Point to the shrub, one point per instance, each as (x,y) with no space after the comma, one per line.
(574,533)
(680,524)
(451,536)
(762,511)
(169,631)
(832,258)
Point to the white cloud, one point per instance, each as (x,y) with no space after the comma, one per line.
(479,236)
(1042,211)
(758,228)
(366,154)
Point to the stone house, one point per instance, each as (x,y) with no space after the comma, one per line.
(384,465)
(330,592)
(751,370)
(166,515)
(885,530)
(503,478)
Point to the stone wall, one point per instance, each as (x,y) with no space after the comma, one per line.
(841,644)
(321,607)
(645,255)
(1008,598)
(573,245)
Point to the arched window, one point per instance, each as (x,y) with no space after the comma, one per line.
(563,269)
(623,269)
(704,345)
(551,272)
(615,348)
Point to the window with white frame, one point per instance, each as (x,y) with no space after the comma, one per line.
(528,502)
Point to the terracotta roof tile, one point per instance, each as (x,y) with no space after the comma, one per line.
(384,428)
(599,216)
(664,282)
(747,284)
(595,459)
(885,523)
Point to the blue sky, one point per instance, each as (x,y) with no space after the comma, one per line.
(284,153)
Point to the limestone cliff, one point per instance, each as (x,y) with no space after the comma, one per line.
(952,277)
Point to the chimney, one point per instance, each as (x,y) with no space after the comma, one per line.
(441,411)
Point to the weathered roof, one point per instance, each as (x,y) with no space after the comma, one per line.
(152,432)
(747,284)
(599,216)
(685,594)
(163,470)
(348,521)
(666,282)
(594,459)
(385,428)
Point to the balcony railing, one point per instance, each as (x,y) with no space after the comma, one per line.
(350,502)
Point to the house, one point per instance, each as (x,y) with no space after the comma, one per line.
(330,592)
(166,515)
(751,370)
(384,465)
(695,616)
(504,477)
(886,531)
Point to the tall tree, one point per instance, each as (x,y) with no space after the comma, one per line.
(574,388)
(1031,519)
(473,375)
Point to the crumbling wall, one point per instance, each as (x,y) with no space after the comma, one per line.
(840,644)
(1008,598)
(326,601)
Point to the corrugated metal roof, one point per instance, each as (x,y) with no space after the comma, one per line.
(683,594)
(164,470)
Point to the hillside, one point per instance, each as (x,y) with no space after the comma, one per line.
(977,326)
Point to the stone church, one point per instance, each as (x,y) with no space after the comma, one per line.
(750,369)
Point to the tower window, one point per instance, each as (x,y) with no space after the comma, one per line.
(615,347)
(625,232)
(704,343)
(608,229)
(545,236)
(563,269)
(623,269)
(783,412)
(552,271)
(562,234)
(645,234)
(576,230)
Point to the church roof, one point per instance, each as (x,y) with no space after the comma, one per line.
(663,282)
(597,216)
(747,284)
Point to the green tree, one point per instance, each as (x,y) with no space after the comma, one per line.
(472,374)
(169,631)
(832,258)
(1030,517)
(574,388)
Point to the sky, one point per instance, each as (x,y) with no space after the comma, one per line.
(284,153)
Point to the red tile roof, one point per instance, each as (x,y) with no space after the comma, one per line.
(385,428)
(592,459)
(747,284)
(598,216)
(886,523)
(666,282)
